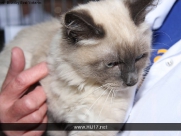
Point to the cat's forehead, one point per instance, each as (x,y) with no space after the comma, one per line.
(114,17)
(109,25)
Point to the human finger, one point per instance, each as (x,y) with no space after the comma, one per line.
(36,130)
(17,65)
(39,130)
(36,116)
(29,103)
(18,86)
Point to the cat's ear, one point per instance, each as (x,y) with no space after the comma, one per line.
(79,25)
(139,9)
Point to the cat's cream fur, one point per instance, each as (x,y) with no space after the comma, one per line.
(80,86)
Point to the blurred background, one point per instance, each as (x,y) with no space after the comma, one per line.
(17,14)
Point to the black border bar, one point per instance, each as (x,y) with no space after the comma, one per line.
(91,126)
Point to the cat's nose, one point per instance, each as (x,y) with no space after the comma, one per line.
(132,83)
(131,80)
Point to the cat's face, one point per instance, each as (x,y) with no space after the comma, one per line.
(105,45)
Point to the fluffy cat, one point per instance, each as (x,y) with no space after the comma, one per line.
(96,56)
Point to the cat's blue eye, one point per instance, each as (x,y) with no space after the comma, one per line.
(112,64)
(140,57)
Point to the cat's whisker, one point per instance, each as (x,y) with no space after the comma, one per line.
(104,103)
(98,99)
(113,95)
(98,88)
(95,90)
(105,85)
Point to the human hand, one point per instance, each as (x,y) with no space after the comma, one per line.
(15,107)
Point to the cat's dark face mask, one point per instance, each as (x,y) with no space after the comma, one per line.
(123,70)
(133,62)
(129,74)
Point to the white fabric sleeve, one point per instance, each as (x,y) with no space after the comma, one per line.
(157,16)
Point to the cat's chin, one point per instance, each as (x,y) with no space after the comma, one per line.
(128,88)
